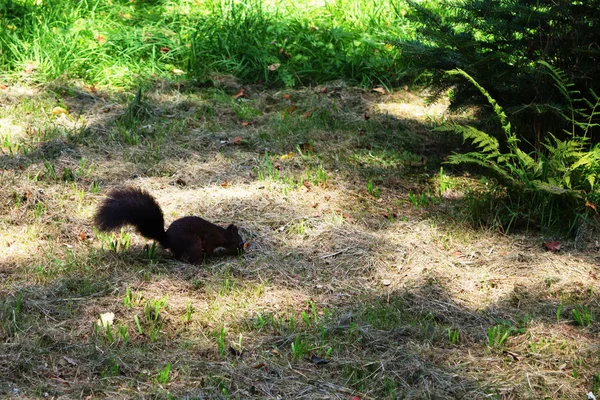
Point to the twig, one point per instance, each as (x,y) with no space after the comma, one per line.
(335,254)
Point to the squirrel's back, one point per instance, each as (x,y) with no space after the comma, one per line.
(131,206)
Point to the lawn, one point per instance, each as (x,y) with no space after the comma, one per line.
(364,276)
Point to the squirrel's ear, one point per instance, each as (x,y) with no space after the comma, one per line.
(232,228)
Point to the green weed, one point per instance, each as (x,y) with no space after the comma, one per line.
(583,316)
(300,347)
(221,342)
(189,311)
(453,336)
(373,191)
(163,375)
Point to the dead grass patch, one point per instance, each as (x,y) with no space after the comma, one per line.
(352,286)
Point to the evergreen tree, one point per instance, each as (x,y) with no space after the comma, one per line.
(500,43)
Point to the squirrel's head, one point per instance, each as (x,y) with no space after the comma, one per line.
(234,240)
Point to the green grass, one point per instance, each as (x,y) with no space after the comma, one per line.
(346,289)
(123,44)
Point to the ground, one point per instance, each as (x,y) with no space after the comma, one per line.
(363,277)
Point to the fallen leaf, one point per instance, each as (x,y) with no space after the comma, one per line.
(287,156)
(591,205)
(291,109)
(240,93)
(101,39)
(59,111)
(274,67)
(3,87)
(177,71)
(224,184)
(81,236)
(245,123)
(347,216)
(307,114)
(286,96)
(237,140)
(106,319)
(354,398)
(165,50)
(306,184)
(552,246)
(29,68)
(379,90)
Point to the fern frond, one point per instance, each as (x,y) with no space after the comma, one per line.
(550,188)
(486,143)
(495,106)
(526,160)
(483,161)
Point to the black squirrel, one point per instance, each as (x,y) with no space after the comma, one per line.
(188,238)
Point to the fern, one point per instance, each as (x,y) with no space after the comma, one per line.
(562,178)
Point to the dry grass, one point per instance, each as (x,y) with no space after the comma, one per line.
(334,299)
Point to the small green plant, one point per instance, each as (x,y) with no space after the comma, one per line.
(50,171)
(40,209)
(558,312)
(68,175)
(497,335)
(189,311)
(267,170)
(153,319)
(116,243)
(228,285)
(221,341)
(127,301)
(123,333)
(373,190)
(259,322)
(453,336)
(299,347)
(163,376)
(596,383)
(582,316)
(151,251)
(421,200)
(444,182)
(138,325)
(131,298)
(11,314)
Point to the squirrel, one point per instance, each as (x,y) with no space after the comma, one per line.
(188,238)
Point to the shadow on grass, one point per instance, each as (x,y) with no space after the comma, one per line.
(388,310)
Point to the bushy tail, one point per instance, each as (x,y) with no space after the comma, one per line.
(132,206)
